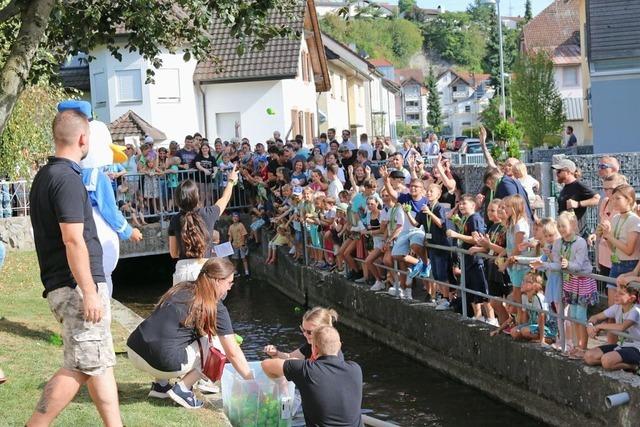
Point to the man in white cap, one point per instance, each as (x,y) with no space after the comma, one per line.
(574,195)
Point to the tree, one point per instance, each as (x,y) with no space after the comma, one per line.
(26,140)
(536,99)
(491,62)
(405,6)
(62,28)
(434,113)
(456,38)
(527,11)
(394,39)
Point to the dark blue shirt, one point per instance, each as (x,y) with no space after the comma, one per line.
(509,187)
(438,235)
(473,223)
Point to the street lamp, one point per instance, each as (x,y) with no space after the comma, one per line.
(503,107)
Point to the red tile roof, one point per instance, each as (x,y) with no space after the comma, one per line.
(130,124)
(471,78)
(380,62)
(404,74)
(557,25)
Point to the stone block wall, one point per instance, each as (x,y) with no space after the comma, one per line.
(16,232)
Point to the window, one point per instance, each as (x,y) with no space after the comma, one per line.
(100,92)
(167,84)
(412,103)
(570,76)
(467,108)
(129,86)
(413,117)
(454,88)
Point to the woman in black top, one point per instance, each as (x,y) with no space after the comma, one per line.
(378,152)
(205,163)
(167,343)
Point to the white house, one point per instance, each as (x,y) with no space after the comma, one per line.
(556,30)
(359,99)
(250,95)
(411,103)
(324,7)
(463,96)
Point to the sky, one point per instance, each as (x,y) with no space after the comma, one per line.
(507,7)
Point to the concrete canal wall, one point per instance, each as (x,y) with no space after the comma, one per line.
(533,380)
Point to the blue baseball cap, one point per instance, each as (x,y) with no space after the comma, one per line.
(83,107)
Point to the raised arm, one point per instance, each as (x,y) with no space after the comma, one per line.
(224,199)
(485,150)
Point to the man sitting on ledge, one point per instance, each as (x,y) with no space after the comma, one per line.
(330,387)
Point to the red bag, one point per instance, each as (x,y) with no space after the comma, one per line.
(215,361)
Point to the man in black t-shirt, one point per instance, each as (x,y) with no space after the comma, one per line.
(574,195)
(187,154)
(330,387)
(70,259)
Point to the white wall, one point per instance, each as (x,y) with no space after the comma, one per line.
(566,88)
(251,100)
(175,117)
(337,108)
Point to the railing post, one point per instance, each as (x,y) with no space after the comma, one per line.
(463,288)
(304,243)
(561,321)
(396,283)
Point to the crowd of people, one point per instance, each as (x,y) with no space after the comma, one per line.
(378,214)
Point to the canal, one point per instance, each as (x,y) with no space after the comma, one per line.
(396,388)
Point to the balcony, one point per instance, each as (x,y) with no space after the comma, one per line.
(460,95)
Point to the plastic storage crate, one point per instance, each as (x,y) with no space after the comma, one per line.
(259,402)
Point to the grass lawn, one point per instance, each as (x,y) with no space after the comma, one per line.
(29,356)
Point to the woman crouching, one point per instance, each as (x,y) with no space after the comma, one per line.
(166,344)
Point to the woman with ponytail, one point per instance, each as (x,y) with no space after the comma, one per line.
(191,228)
(167,344)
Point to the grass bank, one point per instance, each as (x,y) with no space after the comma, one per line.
(30,353)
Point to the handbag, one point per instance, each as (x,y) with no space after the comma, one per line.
(214,365)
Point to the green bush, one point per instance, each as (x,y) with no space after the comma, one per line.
(27,139)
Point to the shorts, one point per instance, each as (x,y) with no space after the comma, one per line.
(316,238)
(621,267)
(475,280)
(578,312)
(629,355)
(88,347)
(403,243)
(193,362)
(378,242)
(298,236)
(187,270)
(240,253)
(516,276)
(440,265)
(257,224)
(533,329)
(499,289)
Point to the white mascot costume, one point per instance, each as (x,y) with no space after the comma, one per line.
(110,223)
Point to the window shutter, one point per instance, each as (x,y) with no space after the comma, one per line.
(295,123)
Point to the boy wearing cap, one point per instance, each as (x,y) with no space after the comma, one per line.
(238,239)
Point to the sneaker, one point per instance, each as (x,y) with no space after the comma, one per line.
(207,386)
(395,292)
(378,286)
(444,305)
(407,293)
(426,271)
(186,399)
(493,322)
(361,280)
(415,270)
(159,391)
(507,330)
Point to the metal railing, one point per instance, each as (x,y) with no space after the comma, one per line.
(460,159)
(152,195)
(14,198)
(462,289)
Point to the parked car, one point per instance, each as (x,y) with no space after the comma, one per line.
(472,146)
(457,143)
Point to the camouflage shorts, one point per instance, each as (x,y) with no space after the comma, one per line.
(88,347)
